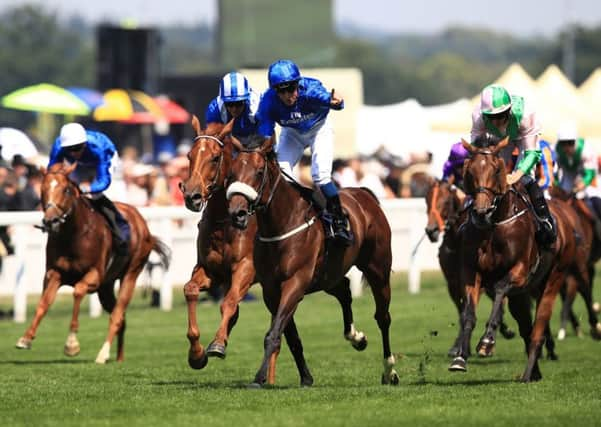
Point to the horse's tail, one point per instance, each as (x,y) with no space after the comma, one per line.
(371,193)
(163,251)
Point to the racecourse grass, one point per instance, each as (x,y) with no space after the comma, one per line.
(155,386)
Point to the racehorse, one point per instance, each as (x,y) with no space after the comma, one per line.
(502,253)
(224,252)
(79,254)
(293,257)
(446,212)
(568,293)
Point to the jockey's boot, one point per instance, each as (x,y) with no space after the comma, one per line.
(117,224)
(340,224)
(546,233)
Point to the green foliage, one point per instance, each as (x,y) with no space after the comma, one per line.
(155,386)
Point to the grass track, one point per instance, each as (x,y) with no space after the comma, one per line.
(155,386)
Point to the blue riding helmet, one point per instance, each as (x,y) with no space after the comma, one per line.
(283,71)
(234,87)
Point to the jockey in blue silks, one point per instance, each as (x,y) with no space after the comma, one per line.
(236,100)
(93,152)
(300,105)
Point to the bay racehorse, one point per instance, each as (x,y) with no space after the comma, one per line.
(568,293)
(79,254)
(500,251)
(446,212)
(225,252)
(292,256)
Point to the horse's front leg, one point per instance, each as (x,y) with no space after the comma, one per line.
(342,293)
(72,347)
(197,358)
(243,274)
(292,292)
(52,281)
(486,345)
(468,322)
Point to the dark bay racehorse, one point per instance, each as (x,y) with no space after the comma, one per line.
(293,258)
(590,239)
(501,253)
(224,252)
(446,213)
(79,254)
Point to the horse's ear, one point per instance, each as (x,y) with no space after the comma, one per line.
(502,144)
(196,125)
(268,144)
(236,143)
(55,167)
(469,147)
(227,129)
(68,168)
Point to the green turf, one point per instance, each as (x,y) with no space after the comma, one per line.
(155,386)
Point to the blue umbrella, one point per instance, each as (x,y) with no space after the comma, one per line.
(91,97)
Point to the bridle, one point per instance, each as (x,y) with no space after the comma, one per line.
(62,213)
(495,196)
(213,187)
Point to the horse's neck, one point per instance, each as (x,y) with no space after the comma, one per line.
(285,207)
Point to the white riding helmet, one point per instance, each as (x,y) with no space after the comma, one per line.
(567,132)
(72,134)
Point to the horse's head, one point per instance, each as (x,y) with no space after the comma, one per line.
(209,160)
(484,178)
(252,183)
(59,195)
(442,203)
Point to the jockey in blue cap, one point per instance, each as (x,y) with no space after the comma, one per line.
(236,100)
(300,105)
(93,152)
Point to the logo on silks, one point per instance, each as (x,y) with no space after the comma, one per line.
(297,117)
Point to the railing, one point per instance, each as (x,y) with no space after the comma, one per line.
(23,272)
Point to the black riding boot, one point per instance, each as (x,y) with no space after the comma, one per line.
(340,224)
(117,224)
(547,230)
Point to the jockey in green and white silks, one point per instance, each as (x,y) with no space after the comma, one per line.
(502,114)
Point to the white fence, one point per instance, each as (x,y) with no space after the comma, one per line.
(23,272)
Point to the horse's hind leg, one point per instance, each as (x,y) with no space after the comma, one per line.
(550,344)
(568,294)
(72,344)
(242,277)
(197,357)
(342,293)
(296,348)
(52,281)
(378,277)
(585,290)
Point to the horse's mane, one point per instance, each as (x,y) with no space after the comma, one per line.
(486,140)
(254,141)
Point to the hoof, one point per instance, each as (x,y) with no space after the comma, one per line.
(458,365)
(552,356)
(71,348)
(596,332)
(360,345)
(23,344)
(507,333)
(104,354)
(254,386)
(486,347)
(561,334)
(306,382)
(216,350)
(198,363)
(390,379)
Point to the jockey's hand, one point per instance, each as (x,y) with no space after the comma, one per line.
(85,188)
(579,187)
(514,177)
(335,102)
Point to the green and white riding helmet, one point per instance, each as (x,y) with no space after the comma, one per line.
(494,100)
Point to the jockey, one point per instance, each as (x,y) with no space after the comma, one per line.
(577,170)
(300,105)
(238,101)
(503,115)
(93,152)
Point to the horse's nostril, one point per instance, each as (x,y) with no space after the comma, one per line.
(241,214)
(196,197)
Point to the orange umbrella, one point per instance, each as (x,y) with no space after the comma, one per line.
(128,106)
(172,111)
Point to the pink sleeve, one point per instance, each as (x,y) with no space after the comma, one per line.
(529,131)
(478,126)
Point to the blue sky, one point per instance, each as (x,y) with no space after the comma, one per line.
(520,17)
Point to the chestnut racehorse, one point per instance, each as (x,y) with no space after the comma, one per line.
(224,252)
(446,213)
(572,287)
(79,254)
(293,257)
(501,252)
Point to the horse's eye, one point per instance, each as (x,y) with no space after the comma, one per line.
(68,191)
(215,159)
(260,173)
